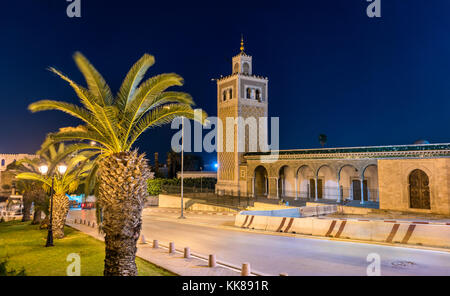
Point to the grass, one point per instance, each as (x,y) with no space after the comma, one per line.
(23,245)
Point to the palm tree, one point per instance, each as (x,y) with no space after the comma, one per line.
(78,169)
(323,139)
(114,123)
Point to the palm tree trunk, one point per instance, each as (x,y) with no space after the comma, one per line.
(37,216)
(26,216)
(60,210)
(122,191)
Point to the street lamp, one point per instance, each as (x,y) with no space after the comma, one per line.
(43,169)
(182,167)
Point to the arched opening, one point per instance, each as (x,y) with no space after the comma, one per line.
(286,182)
(261,182)
(3,162)
(236,68)
(246,68)
(419,190)
(349,182)
(230,93)
(326,183)
(371,182)
(249,93)
(224,95)
(304,175)
(258,95)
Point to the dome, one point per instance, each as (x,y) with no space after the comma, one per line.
(420,142)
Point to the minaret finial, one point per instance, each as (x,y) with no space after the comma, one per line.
(242,43)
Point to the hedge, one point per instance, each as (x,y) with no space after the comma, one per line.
(154,186)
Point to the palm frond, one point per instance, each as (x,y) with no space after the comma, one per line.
(132,80)
(96,83)
(160,116)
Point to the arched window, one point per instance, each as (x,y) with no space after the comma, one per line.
(246,68)
(230,93)
(419,190)
(249,92)
(3,162)
(236,68)
(258,95)
(224,95)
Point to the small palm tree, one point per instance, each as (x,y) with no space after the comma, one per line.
(323,139)
(78,169)
(114,123)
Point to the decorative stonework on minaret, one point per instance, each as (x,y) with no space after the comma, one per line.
(245,95)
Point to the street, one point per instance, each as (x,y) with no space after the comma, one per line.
(275,254)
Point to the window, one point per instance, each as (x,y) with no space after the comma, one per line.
(258,95)
(246,68)
(249,93)
(230,93)
(3,162)
(224,95)
(236,68)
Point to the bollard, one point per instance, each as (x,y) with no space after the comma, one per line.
(75,221)
(187,253)
(89,223)
(142,239)
(283,274)
(171,248)
(212,261)
(93,224)
(155,244)
(245,271)
(84,222)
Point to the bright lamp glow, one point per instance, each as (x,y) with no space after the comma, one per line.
(43,169)
(62,169)
(216,165)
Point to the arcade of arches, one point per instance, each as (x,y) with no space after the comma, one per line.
(416,181)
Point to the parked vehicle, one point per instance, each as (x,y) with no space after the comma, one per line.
(15,204)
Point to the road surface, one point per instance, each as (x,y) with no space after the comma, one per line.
(293,254)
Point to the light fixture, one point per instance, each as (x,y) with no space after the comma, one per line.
(43,169)
(62,169)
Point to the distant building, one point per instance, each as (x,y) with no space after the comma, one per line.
(6,159)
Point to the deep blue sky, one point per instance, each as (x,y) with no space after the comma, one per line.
(331,69)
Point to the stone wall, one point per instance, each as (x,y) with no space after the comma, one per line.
(393,178)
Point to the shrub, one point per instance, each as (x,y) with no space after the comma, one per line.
(155,186)
(12,272)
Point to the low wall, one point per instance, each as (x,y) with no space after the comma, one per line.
(170,201)
(190,204)
(344,209)
(413,233)
(295,212)
(261,206)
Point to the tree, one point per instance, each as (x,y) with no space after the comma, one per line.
(115,123)
(25,187)
(323,139)
(78,168)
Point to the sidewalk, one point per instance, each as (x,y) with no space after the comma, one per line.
(195,266)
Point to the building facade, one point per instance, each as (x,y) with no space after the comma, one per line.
(413,178)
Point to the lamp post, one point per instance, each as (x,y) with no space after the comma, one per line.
(182,167)
(43,169)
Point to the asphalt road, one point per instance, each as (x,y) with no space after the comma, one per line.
(274,254)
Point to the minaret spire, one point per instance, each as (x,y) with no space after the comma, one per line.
(242,43)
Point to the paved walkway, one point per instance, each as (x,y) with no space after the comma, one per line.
(197,265)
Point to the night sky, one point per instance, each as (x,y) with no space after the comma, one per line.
(331,69)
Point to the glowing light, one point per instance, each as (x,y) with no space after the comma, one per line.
(62,169)
(43,169)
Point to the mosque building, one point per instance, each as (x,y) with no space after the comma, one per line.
(412,178)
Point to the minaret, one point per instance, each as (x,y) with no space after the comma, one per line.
(241,94)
